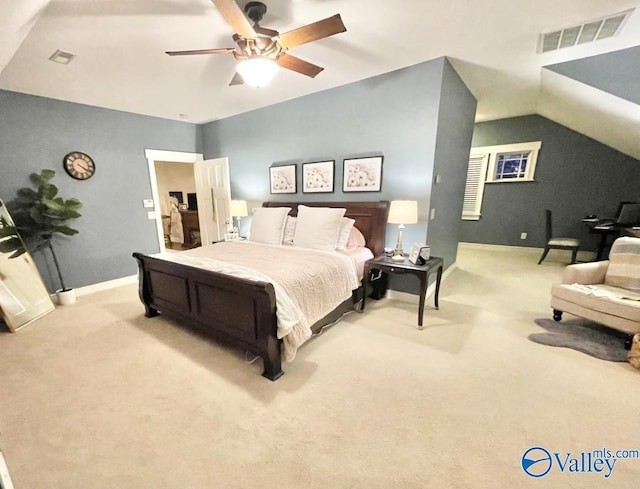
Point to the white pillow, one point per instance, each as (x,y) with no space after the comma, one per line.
(289,230)
(267,225)
(343,234)
(317,227)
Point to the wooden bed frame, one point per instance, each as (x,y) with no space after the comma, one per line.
(240,312)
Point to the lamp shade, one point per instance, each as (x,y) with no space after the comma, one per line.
(238,208)
(403,212)
(257,72)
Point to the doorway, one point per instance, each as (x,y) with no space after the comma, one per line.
(178,204)
(212,195)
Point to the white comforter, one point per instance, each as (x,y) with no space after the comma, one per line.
(308,283)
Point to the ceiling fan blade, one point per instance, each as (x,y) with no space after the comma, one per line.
(235,18)
(236,80)
(201,51)
(298,65)
(264,31)
(312,32)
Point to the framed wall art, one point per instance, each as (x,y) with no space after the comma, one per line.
(317,176)
(283,179)
(362,174)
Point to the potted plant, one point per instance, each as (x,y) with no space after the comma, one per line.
(39,216)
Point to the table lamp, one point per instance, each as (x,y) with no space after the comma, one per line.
(238,209)
(402,212)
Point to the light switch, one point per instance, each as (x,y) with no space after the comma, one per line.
(151,215)
(147,202)
(433,214)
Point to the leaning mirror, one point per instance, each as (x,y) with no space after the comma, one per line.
(23,296)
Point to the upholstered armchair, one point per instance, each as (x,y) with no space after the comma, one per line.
(606,292)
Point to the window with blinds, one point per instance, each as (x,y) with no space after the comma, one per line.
(474,187)
(493,164)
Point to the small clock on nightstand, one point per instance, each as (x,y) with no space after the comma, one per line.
(79,165)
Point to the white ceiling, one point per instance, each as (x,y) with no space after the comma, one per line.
(121,64)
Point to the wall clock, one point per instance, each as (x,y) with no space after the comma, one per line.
(79,165)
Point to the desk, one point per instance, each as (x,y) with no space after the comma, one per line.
(386,265)
(604,230)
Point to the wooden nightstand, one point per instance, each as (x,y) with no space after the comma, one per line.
(387,265)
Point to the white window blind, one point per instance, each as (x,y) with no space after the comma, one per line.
(474,187)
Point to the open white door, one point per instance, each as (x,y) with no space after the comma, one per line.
(214,196)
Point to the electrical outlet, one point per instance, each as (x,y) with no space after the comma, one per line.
(151,215)
(523,235)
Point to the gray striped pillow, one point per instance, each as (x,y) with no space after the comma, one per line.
(624,264)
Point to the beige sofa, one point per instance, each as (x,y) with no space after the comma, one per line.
(607,292)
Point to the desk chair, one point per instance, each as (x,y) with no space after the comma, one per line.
(558,243)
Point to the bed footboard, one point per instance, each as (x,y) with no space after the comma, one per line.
(236,311)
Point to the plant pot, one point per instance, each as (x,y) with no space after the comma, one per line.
(66,297)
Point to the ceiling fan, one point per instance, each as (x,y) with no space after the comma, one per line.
(260,51)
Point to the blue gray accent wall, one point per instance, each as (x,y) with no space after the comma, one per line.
(575,176)
(396,115)
(36,133)
(453,141)
(617,72)
(393,115)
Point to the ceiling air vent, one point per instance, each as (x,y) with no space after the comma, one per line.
(594,30)
(62,57)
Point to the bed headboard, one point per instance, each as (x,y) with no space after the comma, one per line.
(370,217)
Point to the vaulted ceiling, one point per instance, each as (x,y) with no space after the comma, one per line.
(121,62)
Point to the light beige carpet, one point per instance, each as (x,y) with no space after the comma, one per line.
(97,396)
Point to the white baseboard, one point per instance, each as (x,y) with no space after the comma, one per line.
(485,246)
(582,255)
(415,298)
(109,284)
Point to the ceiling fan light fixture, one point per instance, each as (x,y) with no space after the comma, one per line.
(257,72)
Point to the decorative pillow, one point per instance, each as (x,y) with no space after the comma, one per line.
(289,230)
(624,264)
(267,225)
(317,227)
(343,234)
(356,239)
